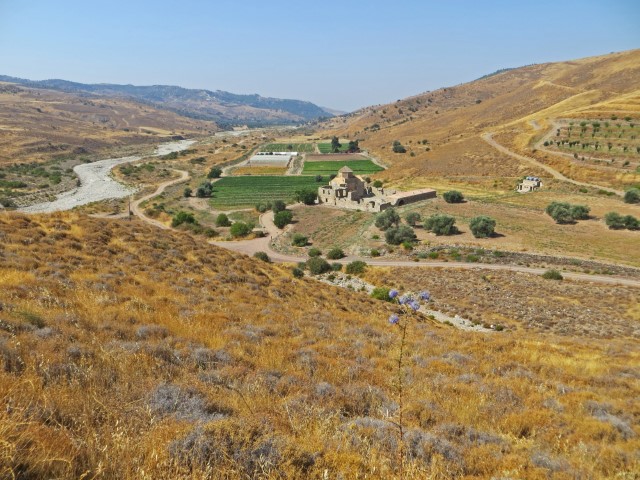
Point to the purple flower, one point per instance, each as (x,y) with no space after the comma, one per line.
(393,293)
(426,296)
(404,299)
(393,319)
(414,305)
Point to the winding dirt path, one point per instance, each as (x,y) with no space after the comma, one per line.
(135,206)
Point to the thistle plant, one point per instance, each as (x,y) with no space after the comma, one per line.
(409,305)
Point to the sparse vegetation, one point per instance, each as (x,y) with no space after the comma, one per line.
(262,256)
(552,275)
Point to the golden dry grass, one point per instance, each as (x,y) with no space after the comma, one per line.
(129,352)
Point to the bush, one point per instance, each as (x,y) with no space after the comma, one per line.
(308,197)
(222,220)
(381,293)
(183,217)
(552,275)
(580,212)
(215,172)
(297,272)
(398,148)
(314,252)
(482,226)
(335,254)
(278,206)
(453,196)
(282,218)
(401,234)
(299,240)
(377,184)
(317,265)
(441,224)
(355,268)
(560,212)
(614,220)
(263,207)
(412,218)
(631,222)
(336,267)
(240,229)
(374,252)
(387,218)
(187,192)
(262,256)
(632,195)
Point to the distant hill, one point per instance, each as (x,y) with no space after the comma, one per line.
(219,106)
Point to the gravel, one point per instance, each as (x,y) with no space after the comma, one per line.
(97,184)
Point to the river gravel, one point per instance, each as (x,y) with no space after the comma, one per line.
(96,182)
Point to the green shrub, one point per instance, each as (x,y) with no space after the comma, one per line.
(240,229)
(335,254)
(614,220)
(314,252)
(399,235)
(282,218)
(262,256)
(632,195)
(441,224)
(412,218)
(631,222)
(580,212)
(374,252)
(381,293)
(356,267)
(377,184)
(407,245)
(222,220)
(187,192)
(482,226)
(215,172)
(308,197)
(552,274)
(278,206)
(317,265)
(387,218)
(299,240)
(297,272)
(183,217)
(453,196)
(433,255)
(336,267)
(397,147)
(263,207)
(560,212)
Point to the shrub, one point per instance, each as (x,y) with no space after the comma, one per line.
(614,220)
(381,293)
(560,212)
(187,192)
(374,252)
(314,252)
(308,197)
(482,226)
(632,195)
(336,267)
(297,272)
(317,265)
(335,254)
(441,224)
(552,274)
(299,240)
(183,217)
(377,184)
(387,218)
(240,229)
(215,172)
(278,206)
(397,147)
(282,218)
(412,218)
(401,234)
(580,212)
(263,207)
(262,256)
(356,267)
(631,222)
(453,196)
(222,220)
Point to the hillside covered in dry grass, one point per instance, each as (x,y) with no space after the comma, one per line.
(129,352)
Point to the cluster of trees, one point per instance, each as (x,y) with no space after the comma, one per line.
(204,190)
(615,221)
(563,212)
(397,147)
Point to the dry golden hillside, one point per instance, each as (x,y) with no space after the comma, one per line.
(38,125)
(442,130)
(129,352)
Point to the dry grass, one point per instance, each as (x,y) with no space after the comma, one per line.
(146,354)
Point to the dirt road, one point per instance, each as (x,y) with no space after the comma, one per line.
(135,206)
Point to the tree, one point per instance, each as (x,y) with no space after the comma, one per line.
(353,146)
(412,218)
(335,254)
(308,197)
(614,220)
(580,212)
(183,217)
(453,196)
(377,184)
(318,266)
(240,229)
(441,224)
(187,192)
(215,172)
(398,148)
(278,206)
(335,144)
(262,256)
(631,222)
(356,267)
(282,218)
(222,220)
(560,212)
(398,235)
(299,240)
(632,195)
(482,226)
(387,218)
(204,190)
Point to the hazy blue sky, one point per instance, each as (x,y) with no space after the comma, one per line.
(341,54)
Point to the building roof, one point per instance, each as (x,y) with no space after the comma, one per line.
(400,195)
(345,169)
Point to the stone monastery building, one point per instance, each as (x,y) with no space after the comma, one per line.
(351,191)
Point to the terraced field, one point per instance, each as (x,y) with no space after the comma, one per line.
(289,147)
(359,167)
(246,191)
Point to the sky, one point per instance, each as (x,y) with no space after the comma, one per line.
(339,54)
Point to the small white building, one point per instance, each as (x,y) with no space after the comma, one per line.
(529,184)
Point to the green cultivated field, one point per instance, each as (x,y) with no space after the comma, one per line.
(289,147)
(326,147)
(246,191)
(359,167)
